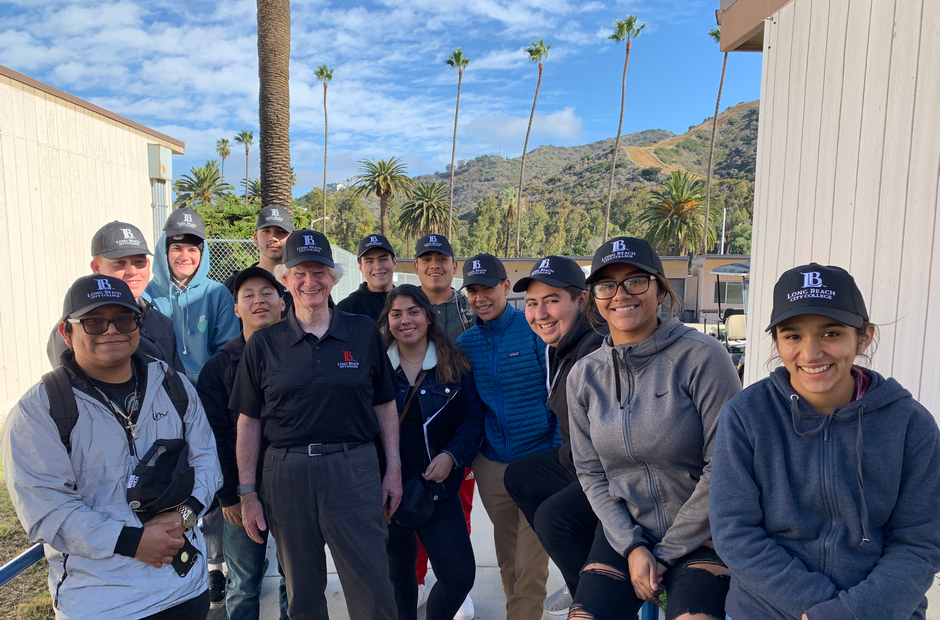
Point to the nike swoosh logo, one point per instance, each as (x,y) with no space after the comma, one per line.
(663,394)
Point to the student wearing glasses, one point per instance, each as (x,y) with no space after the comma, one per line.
(643,410)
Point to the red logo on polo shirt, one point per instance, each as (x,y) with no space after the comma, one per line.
(348,361)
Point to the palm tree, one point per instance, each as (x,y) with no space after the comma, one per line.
(274,101)
(458,61)
(255,191)
(625,30)
(425,211)
(714,33)
(224,150)
(325,75)
(246,138)
(675,214)
(384,179)
(203,186)
(538,52)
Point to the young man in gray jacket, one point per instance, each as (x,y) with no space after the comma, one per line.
(104,563)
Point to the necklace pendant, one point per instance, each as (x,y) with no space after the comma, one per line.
(133,430)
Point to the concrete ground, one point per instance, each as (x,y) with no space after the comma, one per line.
(487,594)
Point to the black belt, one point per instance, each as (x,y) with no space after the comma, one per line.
(319,449)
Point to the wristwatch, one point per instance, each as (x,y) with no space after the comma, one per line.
(188,514)
(245,490)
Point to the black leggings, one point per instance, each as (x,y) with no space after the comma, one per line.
(447,542)
(194,609)
(607,594)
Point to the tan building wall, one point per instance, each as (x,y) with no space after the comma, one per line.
(705,302)
(848,168)
(66,168)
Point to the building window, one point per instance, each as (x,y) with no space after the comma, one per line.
(729,293)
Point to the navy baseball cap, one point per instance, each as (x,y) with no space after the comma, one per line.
(184,222)
(557,271)
(307,245)
(374,241)
(433,243)
(256,272)
(817,289)
(96,290)
(483,269)
(628,250)
(275,216)
(117,240)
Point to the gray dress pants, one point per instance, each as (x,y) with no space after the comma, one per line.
(336,500)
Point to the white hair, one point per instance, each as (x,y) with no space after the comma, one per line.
(280,272)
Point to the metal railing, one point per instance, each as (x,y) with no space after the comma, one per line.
(12,569)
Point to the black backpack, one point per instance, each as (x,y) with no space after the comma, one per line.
(64,409)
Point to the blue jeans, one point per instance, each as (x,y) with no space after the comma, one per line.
(245,560)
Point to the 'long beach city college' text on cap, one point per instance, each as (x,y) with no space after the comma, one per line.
(117,240)
(96,290)
(307,245)
(557,271)
(275,216)
(433,243)
(372,242)
(817,289)
(483,269)
(628,250)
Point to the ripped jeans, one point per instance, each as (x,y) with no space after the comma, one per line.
(605,592)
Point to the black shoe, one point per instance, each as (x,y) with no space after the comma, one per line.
(216,589)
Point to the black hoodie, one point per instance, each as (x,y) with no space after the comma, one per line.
(363,301)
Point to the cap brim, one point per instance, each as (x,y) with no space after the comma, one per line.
(377,247)
(255,272)
(289,229)
(596,274)
(523,284)
(309,259)
(125,252)
(174,232)
(439,251)
(484,280)
(849,318)
(77,314)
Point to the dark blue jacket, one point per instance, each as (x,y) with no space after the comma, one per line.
(832,516)
(457,424)
(509,368)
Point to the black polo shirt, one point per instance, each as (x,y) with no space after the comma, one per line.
(306,389)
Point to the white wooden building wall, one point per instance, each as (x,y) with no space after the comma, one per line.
(64,172)
(848,168)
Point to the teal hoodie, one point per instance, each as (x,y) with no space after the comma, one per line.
(203,313)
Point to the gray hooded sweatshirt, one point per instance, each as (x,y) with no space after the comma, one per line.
(643,419)
(76,505)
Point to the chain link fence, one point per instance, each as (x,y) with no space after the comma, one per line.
(229,255)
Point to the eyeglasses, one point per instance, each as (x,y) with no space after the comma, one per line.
(96,326)
(634,285)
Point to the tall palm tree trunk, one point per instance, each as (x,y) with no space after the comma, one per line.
(246,176)
(613,164)
(711,154)
(223,170)
(522,171)
(274,101)
(326,128)
(453,154)
(383,212)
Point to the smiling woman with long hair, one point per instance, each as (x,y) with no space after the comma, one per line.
(643,410)
(826,475)
(441,427)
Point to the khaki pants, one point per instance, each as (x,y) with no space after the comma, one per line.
(523,564)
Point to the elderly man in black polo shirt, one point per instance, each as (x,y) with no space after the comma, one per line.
(321,387)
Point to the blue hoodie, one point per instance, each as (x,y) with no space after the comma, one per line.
(203,313)
(805,525)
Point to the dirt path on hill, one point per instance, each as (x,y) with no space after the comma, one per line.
(645,156)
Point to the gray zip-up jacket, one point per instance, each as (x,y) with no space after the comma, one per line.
(75,503)
(643,419)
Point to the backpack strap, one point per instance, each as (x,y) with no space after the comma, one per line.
(173,385)
(62,405)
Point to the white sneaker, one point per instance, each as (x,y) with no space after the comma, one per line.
(422,595)
(558,603)
(466,610)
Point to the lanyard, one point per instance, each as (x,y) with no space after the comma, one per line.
(550,385)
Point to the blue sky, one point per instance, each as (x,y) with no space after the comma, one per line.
(189,69)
